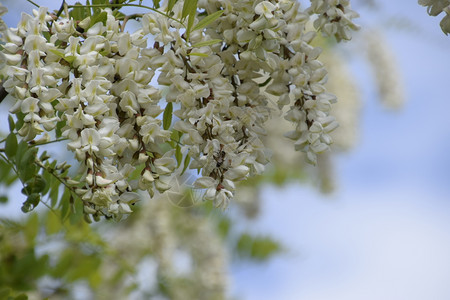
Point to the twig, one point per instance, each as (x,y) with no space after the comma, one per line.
(33,3)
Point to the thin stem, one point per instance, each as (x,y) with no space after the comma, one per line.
(126,18)
(265,82)
(33,3)
(132,5)
(61,9)
(50,142)
(10,163)
(41,165)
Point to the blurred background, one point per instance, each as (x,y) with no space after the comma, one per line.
(372,221)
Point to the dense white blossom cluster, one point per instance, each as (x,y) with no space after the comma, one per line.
(436,7)
(96,79)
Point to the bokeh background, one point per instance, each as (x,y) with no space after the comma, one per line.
(384,230)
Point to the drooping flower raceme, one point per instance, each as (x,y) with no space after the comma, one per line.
(95,79)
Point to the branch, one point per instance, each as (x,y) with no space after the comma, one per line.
(33,3)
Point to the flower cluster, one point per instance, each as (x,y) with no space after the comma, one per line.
(334,18)
(436,7)
(95,80)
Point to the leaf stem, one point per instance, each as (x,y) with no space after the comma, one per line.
(50,142)
(33,3)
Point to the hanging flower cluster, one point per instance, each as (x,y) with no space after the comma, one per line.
(96,79)
(335,18)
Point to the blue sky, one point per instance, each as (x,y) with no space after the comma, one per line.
(385,232)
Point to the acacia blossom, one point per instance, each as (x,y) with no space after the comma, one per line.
(95,81)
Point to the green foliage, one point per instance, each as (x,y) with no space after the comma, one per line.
(99,17)
(156,3)
(170,5)
(167,116)
(207,43)
(207,20)
(79,11)
(187,160)
(96,10)
(11,146)
(189,11)
(256,247)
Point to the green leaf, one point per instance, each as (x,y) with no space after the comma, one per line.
(64,203)
(4,292)
(257,248)
(187,8)
(64,263)
(53,223)
(19,122)
(79,12)
(39,184)
(167,116)
(59,126)
(192,11)
(21,297)
(198,54)
(59,53)
(49,180)
(187,159)
(31,202)
(170,5)
(3,199)
(31,228)
(85,268)
(178,155)
(88,10)
(76,211)
(206,43)
(156,4)
(11,146)
(69,58)
(118,15)
(21,150)
(26,167)
(208,20)
(175,135)
(101,17)
(5,171)
(11,123)
(54,191)
(96,10)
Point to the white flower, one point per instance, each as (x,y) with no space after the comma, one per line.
(265,8)
(205,182)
